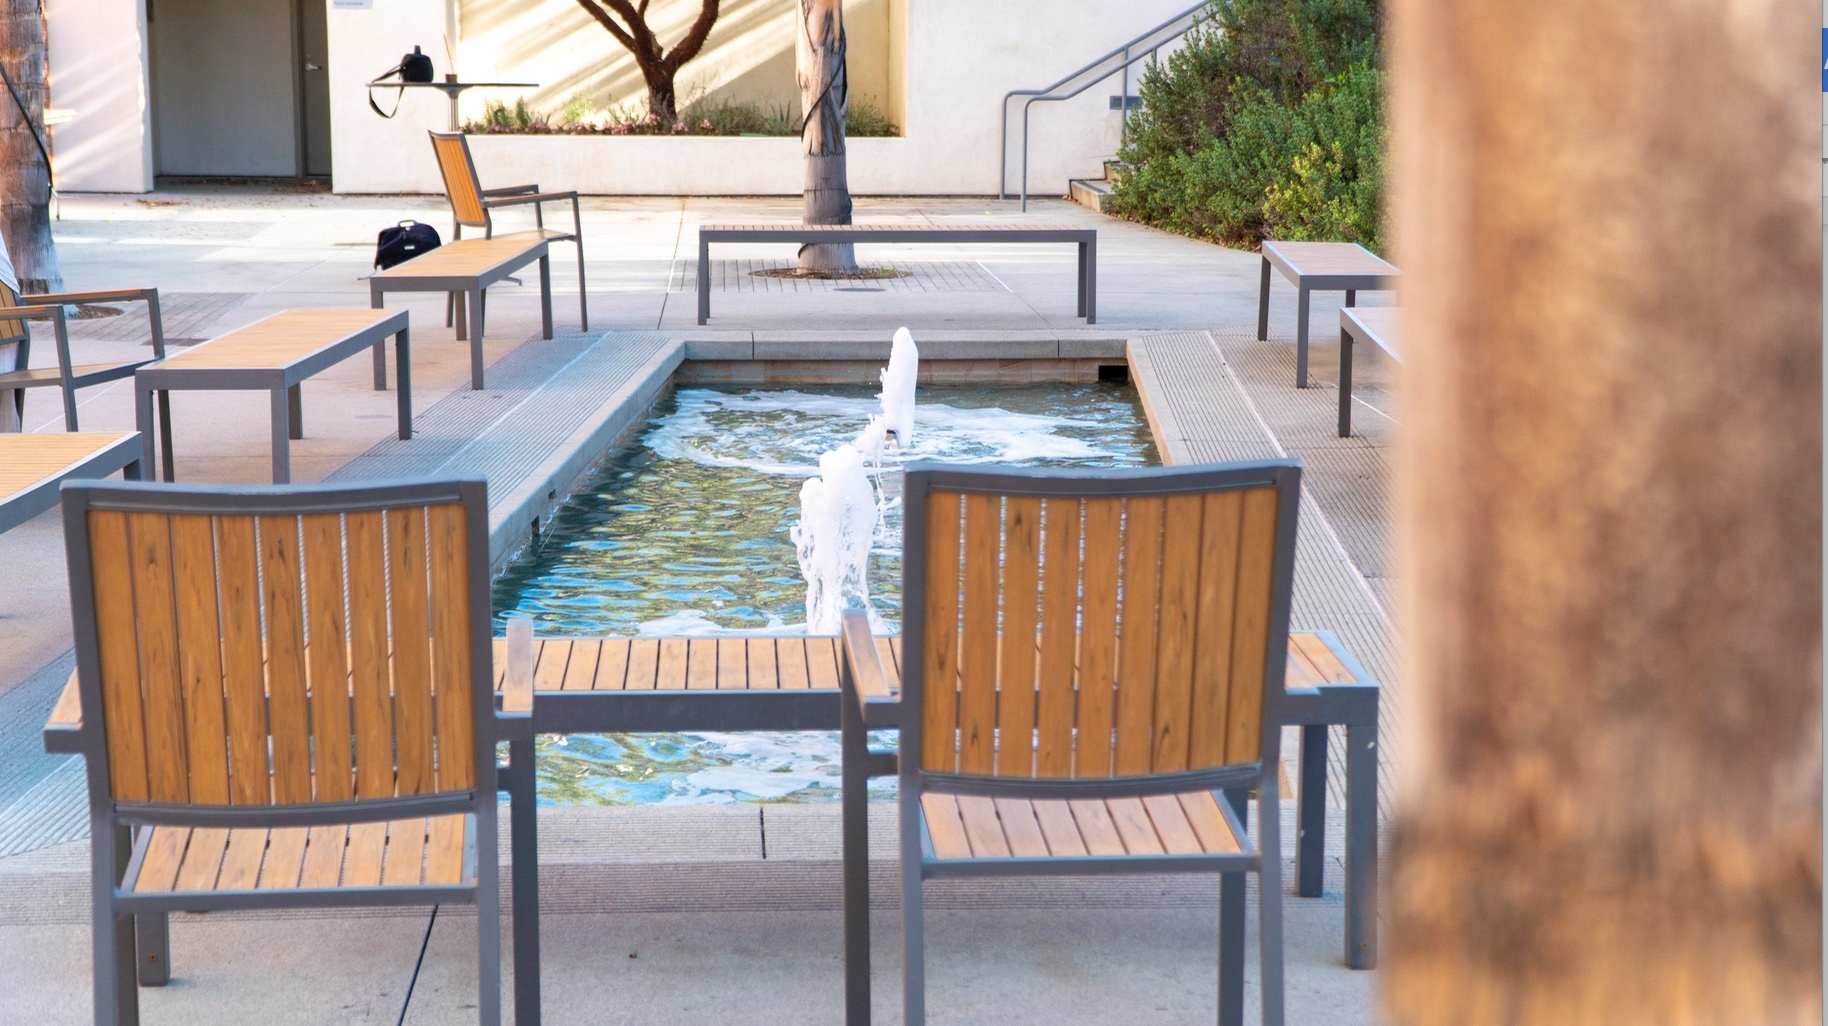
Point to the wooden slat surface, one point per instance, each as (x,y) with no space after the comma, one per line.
(276,342)
(27,460)
(1330,258)
(465,257)
(402,853)
(911,229)
(966,826)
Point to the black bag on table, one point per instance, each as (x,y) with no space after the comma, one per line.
(415,67)
(401,242)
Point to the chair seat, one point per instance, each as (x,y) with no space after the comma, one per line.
(398,853)
(93,372)
(976,827)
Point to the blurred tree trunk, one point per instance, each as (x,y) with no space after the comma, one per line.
(25,182)
(824,101)
(1610,503)
(658,64)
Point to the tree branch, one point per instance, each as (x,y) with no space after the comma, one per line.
(694,40)
(609,23)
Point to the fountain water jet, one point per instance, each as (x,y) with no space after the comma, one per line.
(841,508)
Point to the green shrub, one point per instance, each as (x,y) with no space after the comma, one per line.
(1268,122)
(581,115)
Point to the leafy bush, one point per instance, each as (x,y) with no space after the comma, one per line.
(582,116)
(1267,123)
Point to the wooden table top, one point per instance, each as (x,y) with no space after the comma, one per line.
(911,229)
(27,461)
(466,256)
(1324,258)
(277,341)
(1380,325)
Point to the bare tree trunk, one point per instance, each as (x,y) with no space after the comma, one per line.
(25,182)
(1610,500)
(824,99)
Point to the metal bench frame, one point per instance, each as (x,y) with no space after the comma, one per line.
(1308,282)
(1085,238)
(122,454)
(403,278)
(1352,328)
(283,383)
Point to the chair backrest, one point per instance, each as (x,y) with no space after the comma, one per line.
(461,185)
(11,330)
(282,646)
(1091,625)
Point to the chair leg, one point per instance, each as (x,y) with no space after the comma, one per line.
(1269,903)
(1231,927)
(914,949)
(117,997)
(69,407)
(152,940)
(525,840)
(583,293)
(488,920)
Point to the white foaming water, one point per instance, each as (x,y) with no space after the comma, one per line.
(838,513)
(897,398)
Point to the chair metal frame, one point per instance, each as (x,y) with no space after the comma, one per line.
(117,847)
(868,705)
(70,377)
(485,201)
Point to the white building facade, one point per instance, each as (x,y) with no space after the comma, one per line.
(278,88)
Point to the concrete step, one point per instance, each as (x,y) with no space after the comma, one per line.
(1089,192)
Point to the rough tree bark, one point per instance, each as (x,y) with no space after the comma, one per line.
(1610,498)
(824,101)
(658,64)
(25,182)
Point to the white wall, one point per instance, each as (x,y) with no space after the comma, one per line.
(368,153)
(97,66)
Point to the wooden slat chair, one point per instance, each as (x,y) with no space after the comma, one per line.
(68,375)
(286,694)
(471,205)
(1158,600)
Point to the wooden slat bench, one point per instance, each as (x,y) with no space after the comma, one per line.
(1319,267)
(470,266)
(33,466)
(1381,326)
(276,355)
(1085,238)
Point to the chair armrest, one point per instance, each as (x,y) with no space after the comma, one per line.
(531,197)
(121,296)
(514,717)
(862,659)
(1326,704)
(33,311)
(63,731)
(510,190)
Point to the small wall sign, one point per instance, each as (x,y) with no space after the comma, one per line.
(352,5)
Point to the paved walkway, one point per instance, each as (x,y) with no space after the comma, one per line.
(692,914)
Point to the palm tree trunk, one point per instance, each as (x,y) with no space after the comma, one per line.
(25,182)
(1610,499)
(824,99)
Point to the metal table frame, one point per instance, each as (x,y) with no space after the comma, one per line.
(1308,282)
(283,382)
(1085,238)
(450,89)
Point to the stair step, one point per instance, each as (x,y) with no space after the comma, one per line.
(1089,192)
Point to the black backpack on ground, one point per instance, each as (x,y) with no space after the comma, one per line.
(401,242)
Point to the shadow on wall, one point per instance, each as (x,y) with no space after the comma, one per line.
(747,59)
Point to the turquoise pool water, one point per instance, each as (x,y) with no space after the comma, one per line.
(685,532)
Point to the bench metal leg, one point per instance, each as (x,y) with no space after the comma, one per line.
(152,938)
(1361,846)
(1301,337)
(1263,304)
(463,320)
(1311,813)
(856,864)
(404,361)
(1092,280)
(704,280)
(524,824)
(142,421)
(475,304)
(1351,297)
(296,409)
(1345,383)
(583,293)
(1231,928)
(545,297)
(1081,310)
(380,352)
(164,437)
(282,434)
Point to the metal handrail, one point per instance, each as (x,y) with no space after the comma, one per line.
(1143,46)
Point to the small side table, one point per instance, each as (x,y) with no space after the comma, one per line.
(452,89)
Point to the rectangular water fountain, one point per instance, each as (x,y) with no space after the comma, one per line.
(687,531)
